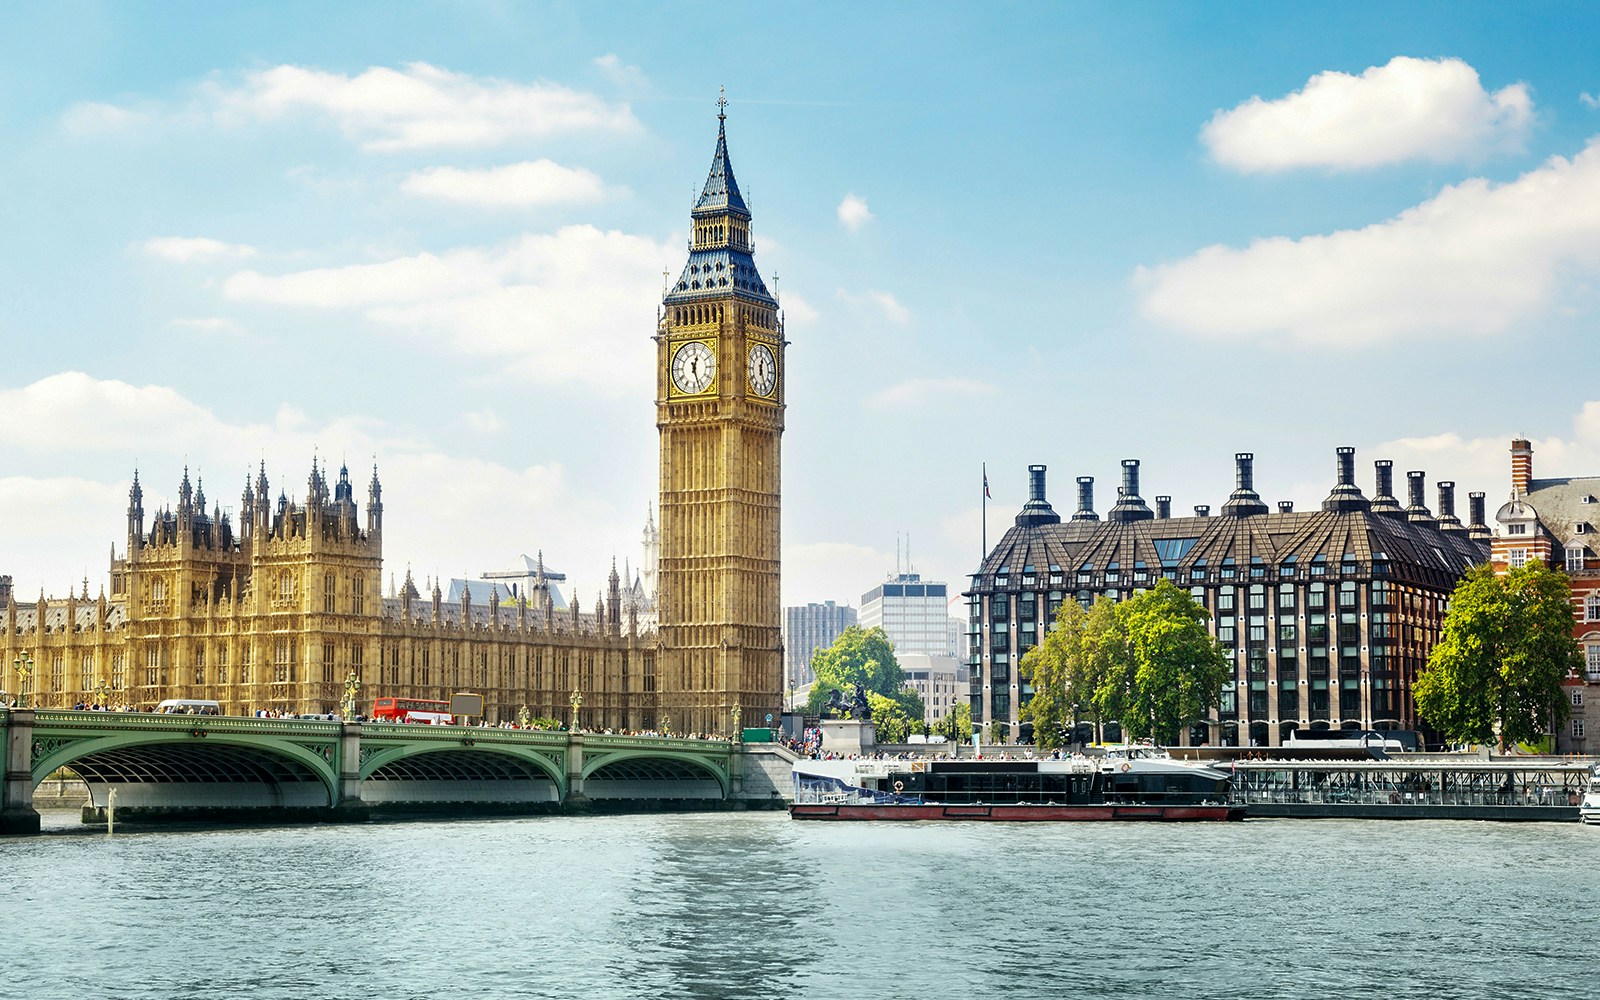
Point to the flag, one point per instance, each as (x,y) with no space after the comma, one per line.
(986,495)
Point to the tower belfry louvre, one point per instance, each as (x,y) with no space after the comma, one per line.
(719,410)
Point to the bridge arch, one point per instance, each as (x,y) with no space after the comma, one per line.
(166,770)
(421,773)
(672,774)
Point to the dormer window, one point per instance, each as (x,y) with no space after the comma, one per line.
(1574,558)
(1581,528)
(1516,529)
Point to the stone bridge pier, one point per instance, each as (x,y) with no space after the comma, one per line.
(17,814)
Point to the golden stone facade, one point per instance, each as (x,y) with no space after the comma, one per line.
(720,411)
(276,612)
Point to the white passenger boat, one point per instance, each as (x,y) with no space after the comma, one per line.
(1589,809)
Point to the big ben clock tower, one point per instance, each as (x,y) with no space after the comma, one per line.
(719,408)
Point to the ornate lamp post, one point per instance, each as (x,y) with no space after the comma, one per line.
(347,704)
(23,665)
(523,718)
(102,695)
(577,703)
(737,732)
(666,725)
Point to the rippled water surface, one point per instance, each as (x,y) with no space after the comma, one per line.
(755,905)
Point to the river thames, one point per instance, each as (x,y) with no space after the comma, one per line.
(756,905)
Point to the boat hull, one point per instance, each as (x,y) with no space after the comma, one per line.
(1106,812)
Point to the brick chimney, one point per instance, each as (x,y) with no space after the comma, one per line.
(1521,466)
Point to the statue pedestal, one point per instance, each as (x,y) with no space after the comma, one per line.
(849,736)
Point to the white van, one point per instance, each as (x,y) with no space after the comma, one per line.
(188,706)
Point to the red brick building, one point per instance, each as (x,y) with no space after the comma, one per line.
(1557,521)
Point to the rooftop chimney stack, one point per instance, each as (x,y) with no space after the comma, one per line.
(1085,511)
(1245,500)
(1163,508)
(1521,467)
(1416,494)
(1037,510)
(1286,506)
(1202,510)
(1130,506)
(1346,494)
(1447,507)
(1383,499)
(1478,531)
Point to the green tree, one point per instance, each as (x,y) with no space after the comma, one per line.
(865,657)
(1179,669)
(1050,667)
(1150,663)
(956,726)
(893,718)
(1495,673)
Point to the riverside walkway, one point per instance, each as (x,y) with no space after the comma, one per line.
(274,770)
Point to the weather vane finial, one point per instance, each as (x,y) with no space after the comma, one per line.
(722,104)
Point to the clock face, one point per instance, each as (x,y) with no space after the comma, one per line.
(762,369)
(693,368)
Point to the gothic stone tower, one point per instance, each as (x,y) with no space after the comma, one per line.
(719,408)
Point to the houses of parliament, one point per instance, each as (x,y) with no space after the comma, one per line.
(276,611)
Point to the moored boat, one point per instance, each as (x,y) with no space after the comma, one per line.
(1127,783)
(1589,808)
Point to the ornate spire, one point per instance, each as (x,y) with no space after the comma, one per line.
(721,191)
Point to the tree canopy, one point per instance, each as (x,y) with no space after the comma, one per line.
(1148,663)
(865,657)
(1506,644)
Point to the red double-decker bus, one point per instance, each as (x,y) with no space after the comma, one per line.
(411,710)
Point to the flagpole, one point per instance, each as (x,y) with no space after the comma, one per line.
(985,553)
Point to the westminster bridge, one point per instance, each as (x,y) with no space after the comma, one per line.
(273,770)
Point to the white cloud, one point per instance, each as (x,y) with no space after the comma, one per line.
(1409,109)
(483,421)
(1475,259)
(892,310)
(1589,100)
(386,110)
(561,307)
(55,528)
(538,182)
(1486,461)
(219,325)
(919,391)
(797,309)
(853,212)
(621,75)
(195,249)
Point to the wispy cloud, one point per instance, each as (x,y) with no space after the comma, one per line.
(536,183)
(1474,259)
(621,75)
(1408,109)
(556,307)
(853,212)
(890,306)
(1589,100)
(385,110)
(195,249)
(212,325)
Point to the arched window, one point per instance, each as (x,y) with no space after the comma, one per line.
(285,585)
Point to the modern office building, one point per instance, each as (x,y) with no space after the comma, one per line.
(941,681)
(1557,521)
(807,629)
(914,613)
(1327,615)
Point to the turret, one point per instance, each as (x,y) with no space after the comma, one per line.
(135,515)
(374,505)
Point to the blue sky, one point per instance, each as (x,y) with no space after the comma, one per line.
(433,235)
